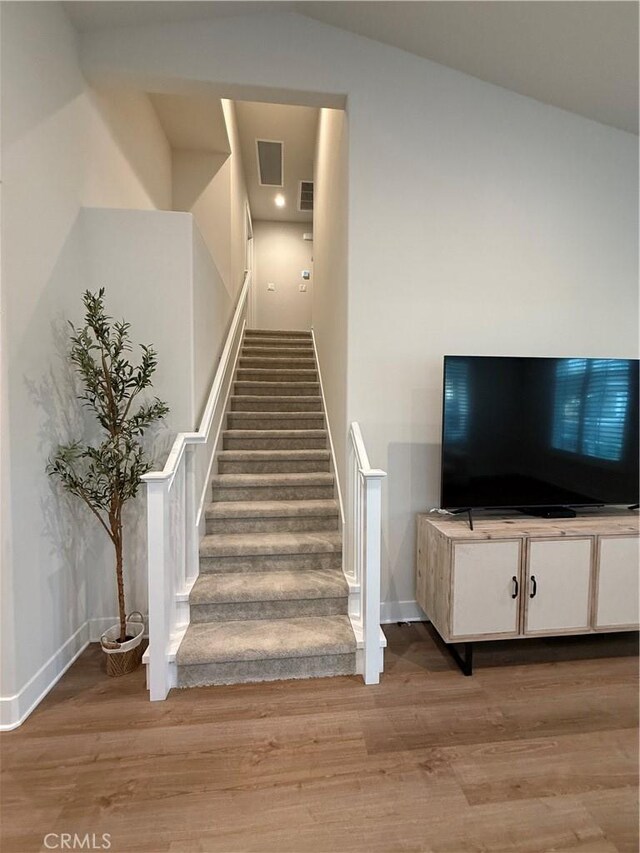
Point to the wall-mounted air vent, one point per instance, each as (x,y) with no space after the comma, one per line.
(305,196)
(270,162)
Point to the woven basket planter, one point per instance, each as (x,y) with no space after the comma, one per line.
(124,657)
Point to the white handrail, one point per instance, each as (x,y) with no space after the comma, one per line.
(173,532)
(202,433)
(365,527)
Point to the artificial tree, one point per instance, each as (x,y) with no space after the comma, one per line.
(106,476)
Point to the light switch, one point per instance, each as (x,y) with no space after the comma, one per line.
(303,288)
(271,286)
(306,275)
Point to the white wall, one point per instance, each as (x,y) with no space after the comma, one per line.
(158,272)
(479,221)
(143,260)
(212,311)
(280,255)
(43,119)
(330,251)
(65,146)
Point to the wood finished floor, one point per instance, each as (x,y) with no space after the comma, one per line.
(538,751)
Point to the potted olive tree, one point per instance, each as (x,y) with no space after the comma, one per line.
(106,475)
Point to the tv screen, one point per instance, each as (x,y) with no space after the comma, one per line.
(536,432)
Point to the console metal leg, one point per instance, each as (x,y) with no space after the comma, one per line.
(465,663)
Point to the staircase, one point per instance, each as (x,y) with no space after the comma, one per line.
(270,601)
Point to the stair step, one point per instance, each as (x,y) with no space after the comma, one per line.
(273,595)
(301,362)
(278,333)
(273,461)
(262,544)
(266,650)
(241,487)
(275,420)
(277,389)
(276,352)
(263,403)
(269,509)
(267,439)
(282,374)
(277,341)
(271,516)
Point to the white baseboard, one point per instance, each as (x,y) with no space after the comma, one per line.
(14,710)
(401,611)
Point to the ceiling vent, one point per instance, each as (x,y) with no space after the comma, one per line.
(305,196)
(270,165)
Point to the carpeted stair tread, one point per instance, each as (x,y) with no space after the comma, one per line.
(273,455)
(260,639)
(270,509)
(267,586)
(238,399)
(288,388)
(261,333)
(265,403)
(278,342)
(276,416)
(302,361)
(265,439)
(243,481)
(276,351)
(276,433)
(279,373)
(250,544)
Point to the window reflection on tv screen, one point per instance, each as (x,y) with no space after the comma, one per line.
(521,432)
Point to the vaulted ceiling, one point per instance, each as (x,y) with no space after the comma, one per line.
(580,55)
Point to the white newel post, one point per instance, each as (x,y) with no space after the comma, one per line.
(365,532)
(372,511)
(158,566)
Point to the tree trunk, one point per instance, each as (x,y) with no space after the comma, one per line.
(119,576)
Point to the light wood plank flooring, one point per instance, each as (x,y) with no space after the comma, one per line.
(538,751)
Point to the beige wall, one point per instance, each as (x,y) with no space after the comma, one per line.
(330,235)
(280,255)
(130,163)
(212,187)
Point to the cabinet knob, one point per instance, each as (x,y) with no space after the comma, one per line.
(514,594)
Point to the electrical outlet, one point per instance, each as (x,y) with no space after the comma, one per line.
(271,286)
(303,288)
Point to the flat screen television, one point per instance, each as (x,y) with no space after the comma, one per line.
(539,432)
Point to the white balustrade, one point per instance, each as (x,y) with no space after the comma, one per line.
(176,497)
(363,534)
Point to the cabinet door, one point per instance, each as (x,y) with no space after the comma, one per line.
(617,592)
(558,586)
(483,588)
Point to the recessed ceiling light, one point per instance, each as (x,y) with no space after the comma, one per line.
(279,200)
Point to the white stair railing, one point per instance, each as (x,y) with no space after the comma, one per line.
(364,524)
(176,497)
